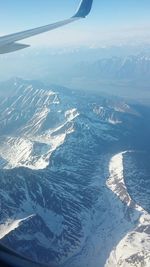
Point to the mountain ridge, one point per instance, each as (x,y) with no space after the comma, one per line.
(63,209)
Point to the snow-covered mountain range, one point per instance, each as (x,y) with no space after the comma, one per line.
(125,76)
(127,68)
(66,184)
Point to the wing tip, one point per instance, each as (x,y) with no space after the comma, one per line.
(84,9)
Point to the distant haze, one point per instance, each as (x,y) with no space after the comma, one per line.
(119,70)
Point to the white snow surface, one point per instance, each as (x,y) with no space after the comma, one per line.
(119,237)
(11,224)
(117,234)
(31,144)
(134,248)
(32,152)
(27,212)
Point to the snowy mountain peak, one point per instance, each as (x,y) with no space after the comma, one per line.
(32,126)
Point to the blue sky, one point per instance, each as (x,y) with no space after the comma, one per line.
(109,21)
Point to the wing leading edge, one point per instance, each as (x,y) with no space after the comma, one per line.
(8,42)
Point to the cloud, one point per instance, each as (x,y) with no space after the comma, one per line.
(87,36)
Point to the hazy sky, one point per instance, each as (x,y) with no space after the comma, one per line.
(110,21)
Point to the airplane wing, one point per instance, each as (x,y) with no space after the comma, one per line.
(9,43)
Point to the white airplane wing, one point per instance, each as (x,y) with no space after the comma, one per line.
(9,43)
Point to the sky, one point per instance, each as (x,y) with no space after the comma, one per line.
(110,21)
